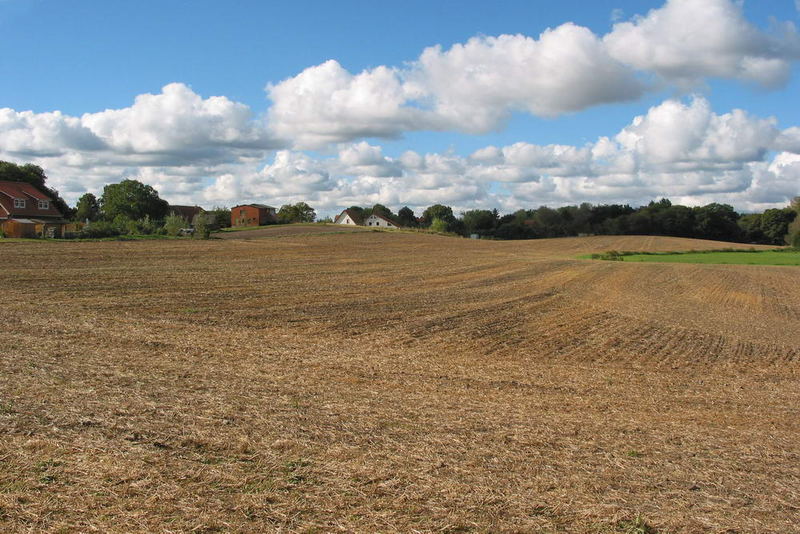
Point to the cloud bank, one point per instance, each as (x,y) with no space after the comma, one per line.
(217,151)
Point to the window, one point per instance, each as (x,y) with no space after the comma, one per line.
(19,202)
(44,205)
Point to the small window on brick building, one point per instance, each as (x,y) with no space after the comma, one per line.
(44,205)
(19,202)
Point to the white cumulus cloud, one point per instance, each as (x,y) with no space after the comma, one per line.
(687,41)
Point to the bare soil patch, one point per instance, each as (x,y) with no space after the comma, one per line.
(394,382)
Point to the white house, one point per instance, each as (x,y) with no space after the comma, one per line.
(348,217)
(379,220)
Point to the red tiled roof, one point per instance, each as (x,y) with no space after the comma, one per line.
(9,191)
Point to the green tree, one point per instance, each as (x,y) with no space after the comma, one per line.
(296,213)
(479,221)
(437,211)
(775,224)
(133,199)
(438,225)
(793,235)
(87,208)
(750,226)
(202,228)
(405,217)
(222,217)
(716,221)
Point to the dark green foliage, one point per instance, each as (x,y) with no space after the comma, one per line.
(438,225)
(793,233)
(34,175)
(437,211)
(221,217)
(480,221)
(202,227)
(713,221)
(405,217)
(769,227)
(87,208)
(99,229)
(132,199)
(296,213)
(716,221)
(173,224)
(793,230)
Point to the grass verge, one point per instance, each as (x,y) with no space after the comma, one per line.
(725,256)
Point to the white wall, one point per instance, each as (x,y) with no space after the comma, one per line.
(377,221)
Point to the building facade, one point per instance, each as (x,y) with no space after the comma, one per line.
(27,212)
(253,215)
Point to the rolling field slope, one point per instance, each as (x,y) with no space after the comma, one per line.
(395,382)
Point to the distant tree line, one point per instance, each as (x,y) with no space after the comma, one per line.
(712,221)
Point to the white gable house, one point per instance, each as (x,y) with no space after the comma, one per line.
(349,218)
(378,220)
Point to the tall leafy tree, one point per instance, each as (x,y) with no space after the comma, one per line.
(479,221)
(296,213)
(775,224)
(793,235)
(132,199)
(87,208)
(438,211)
(716,221)
(406,217)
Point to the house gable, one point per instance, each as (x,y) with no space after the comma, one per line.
(21,199)
(350,218)
(379,221)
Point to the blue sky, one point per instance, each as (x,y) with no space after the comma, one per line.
(87,57)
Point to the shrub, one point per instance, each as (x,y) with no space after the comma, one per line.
(173,224)
(438,225)
(99,229)
(202,228)
(612,255)
(146,225)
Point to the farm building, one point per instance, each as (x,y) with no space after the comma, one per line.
(27,212)
(349,217)
(352,218)
(253,215)
(187,212)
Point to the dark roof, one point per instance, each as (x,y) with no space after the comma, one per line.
(378,215)
(187,212)
(9,191)
(261,206)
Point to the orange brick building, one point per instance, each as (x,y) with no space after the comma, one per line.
(253,215)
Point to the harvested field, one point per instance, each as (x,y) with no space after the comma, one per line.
(395,382)
(284,230)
